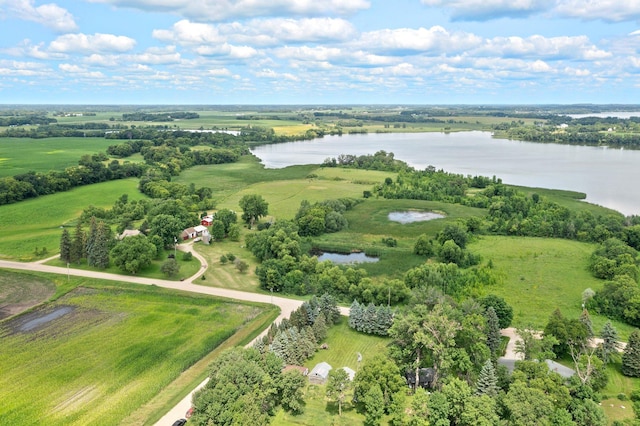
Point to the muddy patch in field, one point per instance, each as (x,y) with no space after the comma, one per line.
(37,320)
(20,292)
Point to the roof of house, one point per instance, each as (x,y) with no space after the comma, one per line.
(200,228)
(350,373)
(129,233)
(303,370)
(321,370)
(190,230)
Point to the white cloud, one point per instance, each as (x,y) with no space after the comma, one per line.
(544,47)
(404,41)
(300,30)
(222,10)
(186,32)
(490,9)
(269,73)
(606,10)
(83,43)
(227,50)
(49,15)
(219,72)
(80,71)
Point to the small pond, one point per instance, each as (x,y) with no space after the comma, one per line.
(413,216)
(40,319)
(345,259)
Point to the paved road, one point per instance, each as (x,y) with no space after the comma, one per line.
(286,305)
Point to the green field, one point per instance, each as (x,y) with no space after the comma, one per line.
(113,349)
(21,155)
(35,223)
(540,275)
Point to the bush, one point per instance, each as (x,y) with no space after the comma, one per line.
(223,259)
(390,242)
(231,257)
(187,256)
(635,395)
(622,396)
(241,265)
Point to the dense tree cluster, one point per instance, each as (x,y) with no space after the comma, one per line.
(381,160)
(245,387)
(90,169)
(285,269)
(594,131)
(448,278)
(370,319)
(93,246)
(164,116)
(295,340)
(323,217)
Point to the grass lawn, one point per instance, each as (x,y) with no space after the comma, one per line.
(114,348)
(540,275)
(36,223)
(344,345)
(21,155)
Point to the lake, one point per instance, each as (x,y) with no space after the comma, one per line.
(607,176)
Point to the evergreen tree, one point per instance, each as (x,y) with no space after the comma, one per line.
(373,405)
(631,356)
(320,329)
(90,241)
(329,307)
(493,331)
(101,245)
(355,315)
(369,319)
(586,320)
(610,344)
(78,245)
(65,246)
(488,380)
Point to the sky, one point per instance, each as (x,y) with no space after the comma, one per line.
(221,52)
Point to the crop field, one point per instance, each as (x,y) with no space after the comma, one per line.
(21,155)
(36,223)
(19,292)
(99,352)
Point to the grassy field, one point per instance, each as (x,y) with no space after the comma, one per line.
(36,223)
(21,155)
(540,275)
(344,345)
(114,348)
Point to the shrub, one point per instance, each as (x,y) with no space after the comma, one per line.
(223,259)
(622,396)
(231,257)
(241,265)
(187,256)
(635,395)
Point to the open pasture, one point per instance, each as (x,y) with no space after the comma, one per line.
(21,155)
(100,351)
(540,275)
(35,223)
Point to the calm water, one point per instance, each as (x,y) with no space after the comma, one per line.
(607,176)
(345,259)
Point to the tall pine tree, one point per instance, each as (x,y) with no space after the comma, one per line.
(488,380)
(91,241)
(78,245)
(631,356)
(65,246)
(493,331)
(610,344)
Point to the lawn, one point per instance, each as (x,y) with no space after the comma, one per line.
(21,155)
(344,346)
(35,223)
(112,350)
(540,275)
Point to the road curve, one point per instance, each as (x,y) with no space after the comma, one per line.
(286,305)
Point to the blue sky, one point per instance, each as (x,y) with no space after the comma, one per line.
(319,51)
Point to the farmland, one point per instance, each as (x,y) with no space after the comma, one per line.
(110,351)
